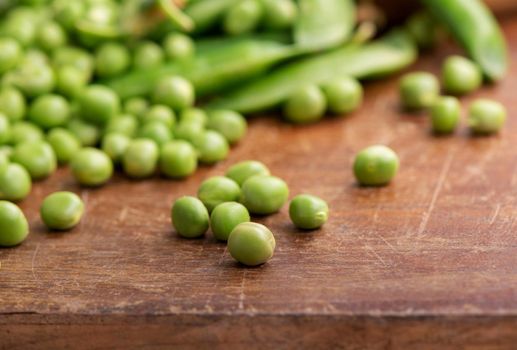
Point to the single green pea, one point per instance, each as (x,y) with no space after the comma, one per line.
(22,29)
(461,76)
(178,159)
(49,111)
(242,171)
(14,227)
(22,132)
(445,115)
(64,143)
(70,81)
(218,189)
(225,217)
(10,54)
(91,167)
(306,105)
(419,90)
(111,59)
(175,92)
(5,152)
(308,212)
(87,133)
(75,57)
(212,147)
(98,104)
(155,131)
(160,113)
(148,55)
(136,106)
(230,124)
(243,17)
(189,131)
(15,183)
(189,217)
(251,244)
(279,14)
(12,103)
(37,157)
(51,35)
(264,194)
(115,145)
(35,57)
(140,159)
(67,12)
(178,46)
(424,30)
(62,210)
(34,79)
(124,124)
(5,129)
(486,116)
(376,165)
(194,115)
(343,95)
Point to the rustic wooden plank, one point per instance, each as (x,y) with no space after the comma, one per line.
(430,259)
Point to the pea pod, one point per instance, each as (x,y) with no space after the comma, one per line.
(324,24)
(387,55)
(206,13)
(474,26)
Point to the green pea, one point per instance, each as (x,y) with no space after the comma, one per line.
(50,36)
(461,76)
(91,167)
(62,210)
(225,217)
(112,59)
(376,165)
(25,132)
(124,124)
(4,159)
(148,55)
(343,95)
(445,115)
(70,81)
(34,79)
(37,157)
(419,90)
(160,113)
(175,92)
(178,46)
(15,183)
(22,29)
(98,104)
(5,129)
(189,131)
(264,194)
(306,105)
(251,244)
(279,14)
(115,145)
(486,116)
(155,131)
(67,12)
(136,106)
(308,212)
(14,227)
(212,147)
(64,144)
(140,159)
(87,134)
(34,57)
(178,159)
(49,111)
(194,115)
(76,57)
(242,171)
(423,29)
(10,54)
(189,217)
(5,152)
(230,124)
(12,103)
(218,189)
(243,17)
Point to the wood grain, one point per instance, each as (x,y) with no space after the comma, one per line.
(429,261)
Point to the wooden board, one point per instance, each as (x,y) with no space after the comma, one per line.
(430,260)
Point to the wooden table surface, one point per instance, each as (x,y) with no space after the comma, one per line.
(430,260)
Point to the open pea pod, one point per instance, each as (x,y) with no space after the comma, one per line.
(476,29)
(387,55)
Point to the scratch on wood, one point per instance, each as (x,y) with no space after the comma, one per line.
(123,214)
(496,213)
(387,243)
(32,262)
(439,185)
(242,295)
(376,255)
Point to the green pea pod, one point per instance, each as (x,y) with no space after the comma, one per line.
(387,55)
(206,13)
(176,16)
(474,26)
(324,24)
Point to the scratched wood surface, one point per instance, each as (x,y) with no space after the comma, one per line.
(430,260)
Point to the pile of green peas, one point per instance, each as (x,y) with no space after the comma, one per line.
(225,204)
